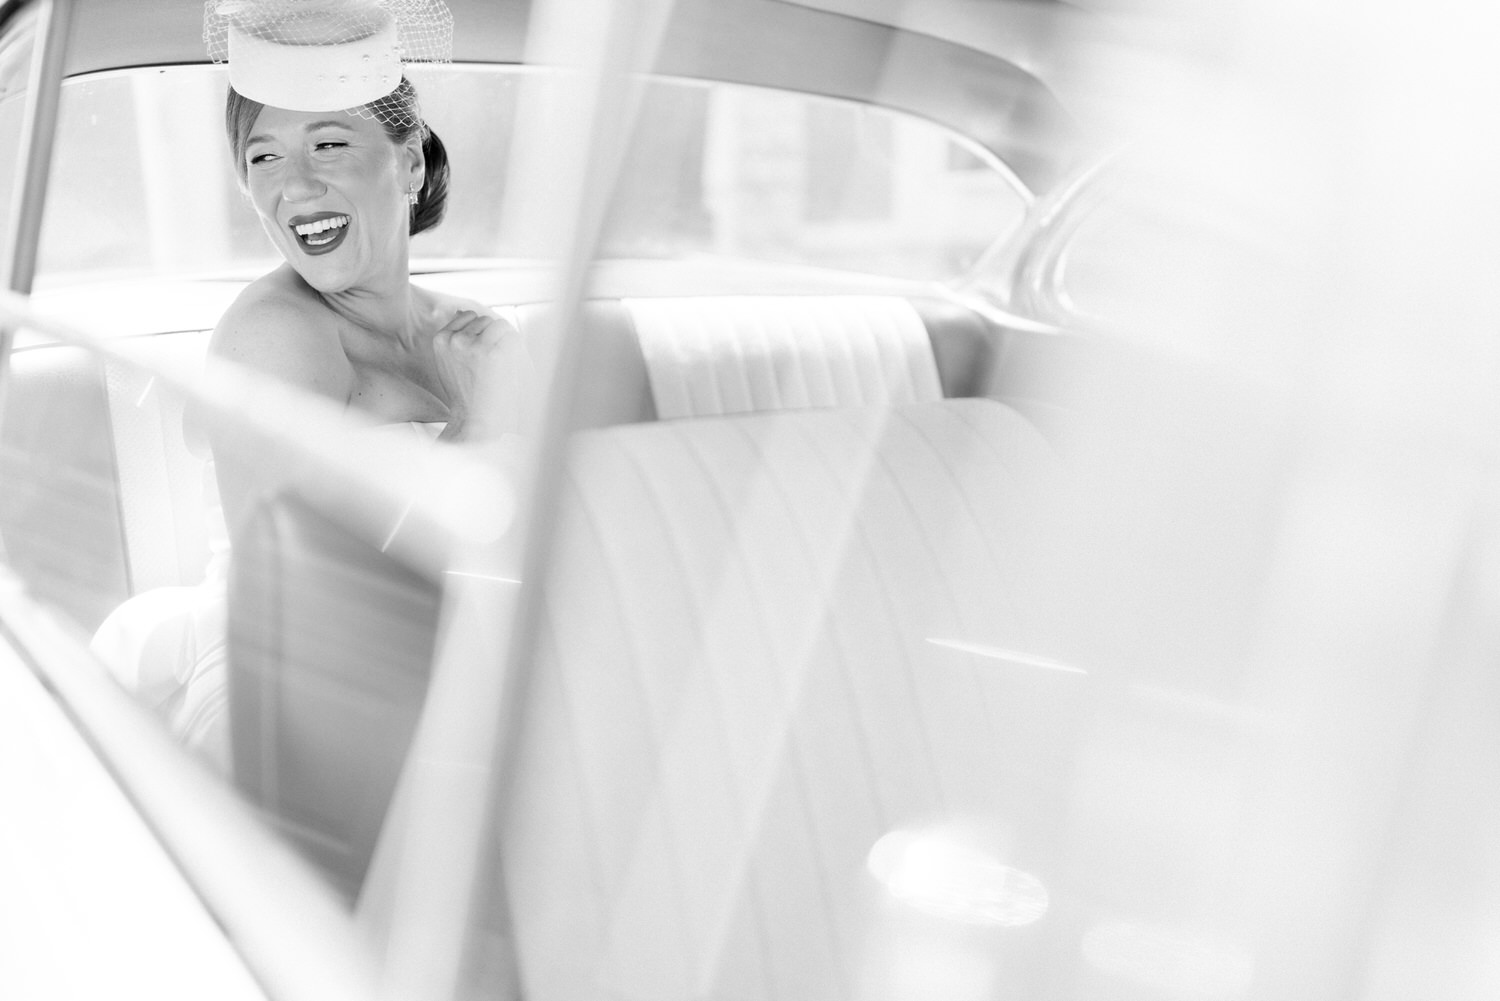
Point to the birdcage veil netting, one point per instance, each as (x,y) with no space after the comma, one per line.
(326,55)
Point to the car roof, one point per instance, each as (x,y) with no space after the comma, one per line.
(862,50)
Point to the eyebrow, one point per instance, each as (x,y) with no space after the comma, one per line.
(310,127)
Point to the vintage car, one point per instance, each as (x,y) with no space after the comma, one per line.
(1002,507)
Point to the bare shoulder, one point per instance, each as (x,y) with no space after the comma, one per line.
(279,326)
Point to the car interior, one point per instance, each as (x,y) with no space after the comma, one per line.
(680,360)
(758,472)
(1003,504)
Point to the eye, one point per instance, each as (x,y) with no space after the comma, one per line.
(330,144)
(263,158)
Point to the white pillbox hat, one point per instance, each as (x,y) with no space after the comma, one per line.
(317,75)
(324,55)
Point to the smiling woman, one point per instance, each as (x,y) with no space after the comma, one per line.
(339,188)
(400,118)
(339,191)
(340,198)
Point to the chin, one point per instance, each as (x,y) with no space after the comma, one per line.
(324,282)
(326,275)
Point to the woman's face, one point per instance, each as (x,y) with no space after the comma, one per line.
(330,189)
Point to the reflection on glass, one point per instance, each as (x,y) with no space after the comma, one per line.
(939,875)
(1173,961)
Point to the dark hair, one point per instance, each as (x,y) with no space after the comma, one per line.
(240,113)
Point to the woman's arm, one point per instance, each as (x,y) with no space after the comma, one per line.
(292,343)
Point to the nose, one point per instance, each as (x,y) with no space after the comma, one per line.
(301,181)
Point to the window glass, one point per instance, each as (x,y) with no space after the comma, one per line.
(142,181)
(796,179)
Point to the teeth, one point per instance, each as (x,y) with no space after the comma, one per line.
(313,228)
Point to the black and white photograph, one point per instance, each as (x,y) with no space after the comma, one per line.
(749,500)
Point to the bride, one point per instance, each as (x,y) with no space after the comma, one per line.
(329,143)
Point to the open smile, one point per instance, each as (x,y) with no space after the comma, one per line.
(320,233)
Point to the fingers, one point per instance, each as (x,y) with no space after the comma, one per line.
(473,363)
(468,327)
(470,333)
(459,329)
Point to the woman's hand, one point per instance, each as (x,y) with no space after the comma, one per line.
(483,369)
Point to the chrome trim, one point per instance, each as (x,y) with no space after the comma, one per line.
(39,122)
(1036,277)
(45,48)
(1006,318)
(43,93)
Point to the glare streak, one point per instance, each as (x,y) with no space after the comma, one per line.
(481,576)
(396,528)
(1011,656)
(150,385)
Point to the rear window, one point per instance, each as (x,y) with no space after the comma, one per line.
(143,184)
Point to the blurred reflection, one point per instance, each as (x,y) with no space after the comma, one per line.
(477,503)
(935,873)
(1297,262)
(1173,961)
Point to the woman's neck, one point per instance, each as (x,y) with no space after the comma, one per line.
(391,310)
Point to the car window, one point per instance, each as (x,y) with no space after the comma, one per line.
(143,185)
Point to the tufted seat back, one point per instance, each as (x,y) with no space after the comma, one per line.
(646,359)
(742,354)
